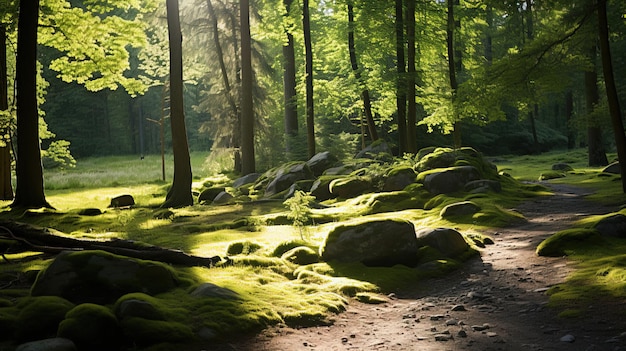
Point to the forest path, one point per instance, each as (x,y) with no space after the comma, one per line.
(494,302)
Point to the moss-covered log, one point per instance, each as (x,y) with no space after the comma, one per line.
(18,237)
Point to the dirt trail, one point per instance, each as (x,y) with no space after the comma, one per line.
(495,302)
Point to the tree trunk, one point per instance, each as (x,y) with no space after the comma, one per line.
(569,116)
(411,114)
(365,94)
(289,87)
(611,90)
(308,47)
(456,132)
(488,37)
(247,110)
(400,80)
(6,189)
(29,192)
(595,147)
(179,194)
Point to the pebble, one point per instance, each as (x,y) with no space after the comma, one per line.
(458,308)
(437,317)
(462,334)
(443,337)
(477,327)
(452,322)
(492,334)
(568,338)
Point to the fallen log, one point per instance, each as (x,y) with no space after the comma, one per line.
(20,237)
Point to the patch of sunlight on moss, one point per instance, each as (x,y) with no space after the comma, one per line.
(570,313)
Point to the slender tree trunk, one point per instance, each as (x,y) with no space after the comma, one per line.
(488,37)
(532,115)
(569,116)
(456,132)
(595,146)
(611,90)
(247,110)
(179,194)
(308,47)
(289,86)
(365,94)
(411,114)
(6,189)
(400,80)
(236,138)
(29,192)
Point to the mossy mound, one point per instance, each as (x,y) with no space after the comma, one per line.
(39,317)
(568,241)
(91,327)
(242,248)
(301,255)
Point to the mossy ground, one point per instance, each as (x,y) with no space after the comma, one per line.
(275,290)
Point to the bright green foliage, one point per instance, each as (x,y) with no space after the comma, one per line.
(299,210)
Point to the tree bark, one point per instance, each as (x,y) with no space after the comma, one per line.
(179,194)
(400,80)
(365,94)
(411,114)
(25,237)
(6,189)
(569,116)
(611,90)
(289,87)
(247,108)
(308,48)
(595,147)
(29,192)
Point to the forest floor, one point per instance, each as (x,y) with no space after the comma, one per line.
(496,301)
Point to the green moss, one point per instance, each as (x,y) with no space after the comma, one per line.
(242,248)
(288,245)
(301,255)
(91,327)
(568,241)
(39,317)
(570,313)
(145,332)
(551,175)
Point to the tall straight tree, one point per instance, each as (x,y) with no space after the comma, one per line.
(452,68)
(595,147)
(6,189)
(611,90)
(179,194)
(247,108)
(411,115)
(365,93)
(29,192)
(400,80)
(308,48)
(289,85)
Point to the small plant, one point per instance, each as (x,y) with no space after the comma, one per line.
(299,210)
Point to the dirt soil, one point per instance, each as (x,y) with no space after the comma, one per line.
(495,302)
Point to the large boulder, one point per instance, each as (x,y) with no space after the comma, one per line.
(349,187)
(449,180)
(321,162)
(321,188)
(208,195)
(101,277)
(247,179)
(447,241)
(399,178)
(462,208)
(287,175)
(376,243)
(613,168)
(376,150)
(613,226)
(122,201)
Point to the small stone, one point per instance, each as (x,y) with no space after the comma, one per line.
(436,317)
(480,327)
(459,308)
(443,337)
(452,322)
(344,340)
(568,338)
(492,334)
(540,290)
(462,334)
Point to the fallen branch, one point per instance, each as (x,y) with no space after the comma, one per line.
(28,237)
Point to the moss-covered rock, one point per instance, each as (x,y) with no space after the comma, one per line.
(448,180)
(101,277)
(242,248)
(399,178)
(463,208)
(321,162)
(301,255)
(145,332)
(447,241)
(91,327)
(281,178)
(375,243)
(39,317)
(551,175)
(613,226)
(208,195)
(350,187)
(568,241)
